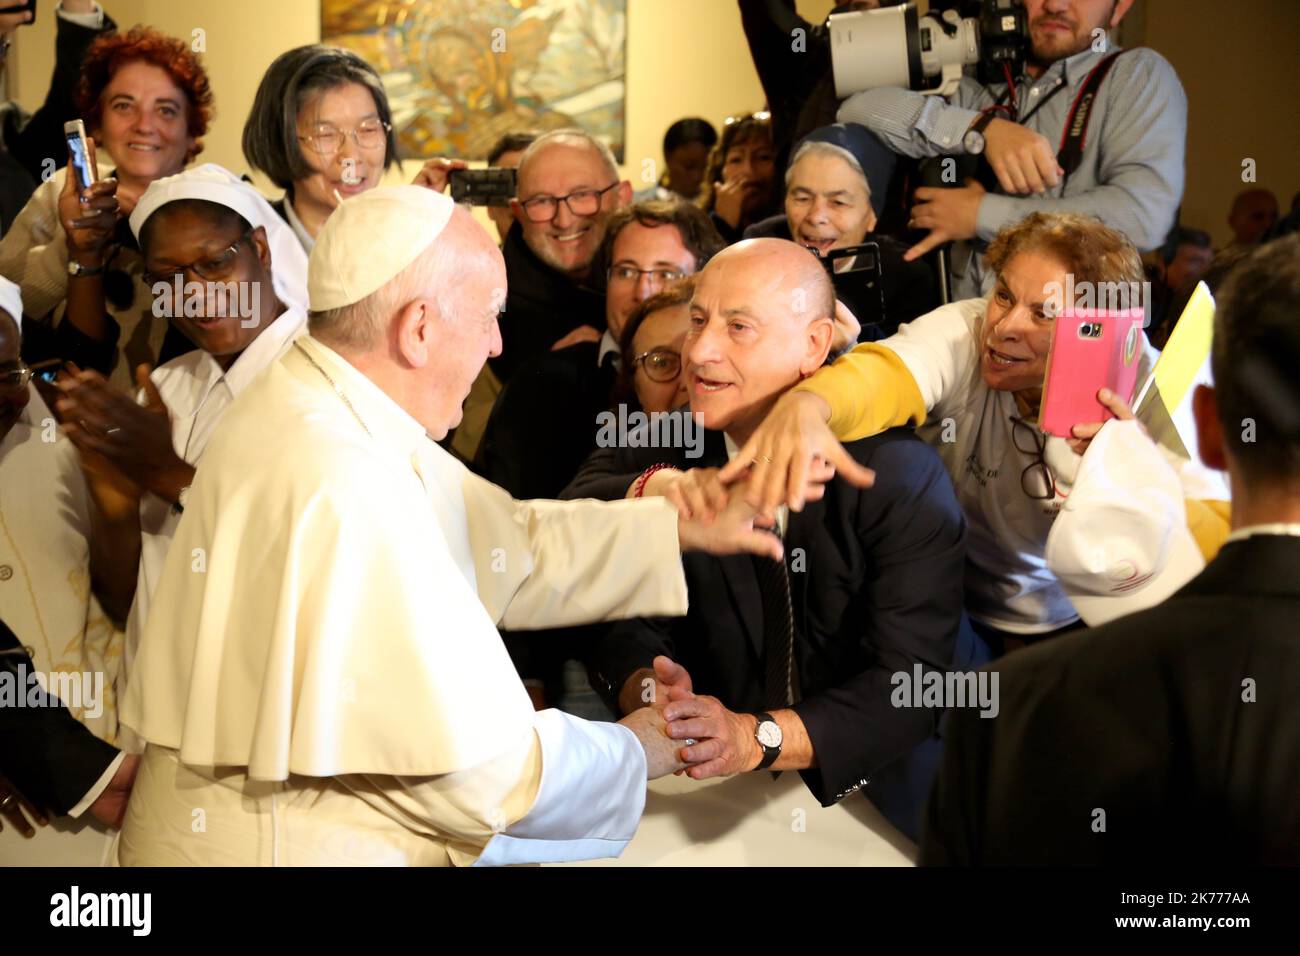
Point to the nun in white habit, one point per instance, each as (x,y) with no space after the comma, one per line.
(228,272)
(320,679)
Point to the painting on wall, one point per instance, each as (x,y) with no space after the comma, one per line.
(460,73)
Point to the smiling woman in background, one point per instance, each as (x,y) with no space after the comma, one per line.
(321,129)
(146,102)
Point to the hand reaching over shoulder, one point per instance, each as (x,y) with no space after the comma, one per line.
(789,452)
(737,529)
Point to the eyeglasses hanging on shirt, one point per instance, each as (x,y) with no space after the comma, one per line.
(1036,480)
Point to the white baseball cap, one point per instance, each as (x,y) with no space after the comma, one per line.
(1121,542)
(11,300)
(368,239)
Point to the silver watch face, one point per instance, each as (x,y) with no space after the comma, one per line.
(973,142)
(769,733)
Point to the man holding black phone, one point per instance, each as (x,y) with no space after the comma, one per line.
(1128,173)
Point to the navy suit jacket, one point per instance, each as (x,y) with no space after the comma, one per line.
(876,585)
(1180,724)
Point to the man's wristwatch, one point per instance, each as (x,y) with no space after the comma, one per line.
(973,141)
(768,735)
(76,269)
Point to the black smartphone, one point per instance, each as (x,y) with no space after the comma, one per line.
(858,269)
(83,163)
(494,186)
(20,7)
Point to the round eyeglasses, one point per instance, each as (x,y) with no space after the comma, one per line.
(212,269)
(660,364)
(581,202)
(327,139)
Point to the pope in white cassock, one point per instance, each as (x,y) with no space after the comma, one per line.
(320,679)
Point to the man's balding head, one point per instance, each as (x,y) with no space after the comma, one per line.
(1254,213)
(558,164)
(761,319)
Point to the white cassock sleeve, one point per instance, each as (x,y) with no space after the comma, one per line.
(545,564)
(605,762)
(574,790)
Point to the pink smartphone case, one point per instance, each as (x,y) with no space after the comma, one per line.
(1078,367)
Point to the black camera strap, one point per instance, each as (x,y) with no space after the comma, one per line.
(1070,155)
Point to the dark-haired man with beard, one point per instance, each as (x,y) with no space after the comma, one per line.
(1125,167)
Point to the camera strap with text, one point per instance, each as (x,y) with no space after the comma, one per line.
(1070,155)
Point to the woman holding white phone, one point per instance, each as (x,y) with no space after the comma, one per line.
(145,100)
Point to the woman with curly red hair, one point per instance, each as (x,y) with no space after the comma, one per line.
(146,102)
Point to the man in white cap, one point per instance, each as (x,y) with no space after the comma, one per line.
(324,630)
(61,759)
(227,272)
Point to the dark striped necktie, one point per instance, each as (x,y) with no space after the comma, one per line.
(778,632)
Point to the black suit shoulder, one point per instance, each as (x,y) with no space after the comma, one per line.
(544,423)
(908,472)
(1180,718)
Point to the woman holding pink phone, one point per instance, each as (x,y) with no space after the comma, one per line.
(145,100)
(970,376)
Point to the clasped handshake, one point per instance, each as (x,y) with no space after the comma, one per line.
(683,732)
(726,511)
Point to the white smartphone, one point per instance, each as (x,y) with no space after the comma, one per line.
(83,160)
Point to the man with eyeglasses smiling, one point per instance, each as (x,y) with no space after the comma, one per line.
(568,188)
(544,422)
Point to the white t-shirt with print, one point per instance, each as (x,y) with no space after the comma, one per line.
(1008,583)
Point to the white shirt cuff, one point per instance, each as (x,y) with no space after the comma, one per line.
(93,20)
(590,798)
(100,786)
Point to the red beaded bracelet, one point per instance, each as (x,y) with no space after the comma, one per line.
(645,476)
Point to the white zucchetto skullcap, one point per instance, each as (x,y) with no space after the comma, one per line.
(369,239)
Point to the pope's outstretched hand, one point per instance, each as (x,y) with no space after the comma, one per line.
(737,529)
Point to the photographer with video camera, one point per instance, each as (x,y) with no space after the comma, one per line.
(1083,127)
